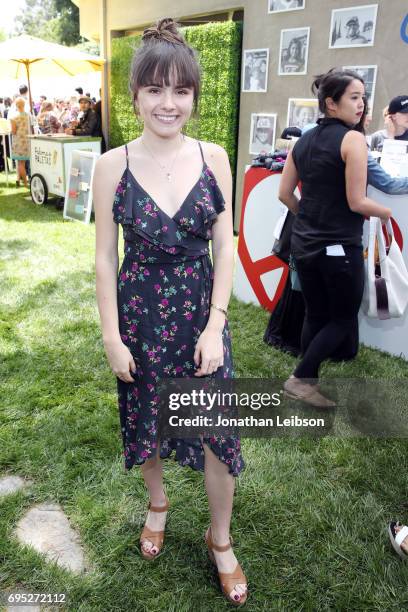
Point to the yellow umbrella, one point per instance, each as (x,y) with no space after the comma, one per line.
(29,57)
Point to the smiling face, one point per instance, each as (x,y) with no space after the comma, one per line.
(163,108)
(350,107)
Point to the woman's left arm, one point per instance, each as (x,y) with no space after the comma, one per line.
(209,349)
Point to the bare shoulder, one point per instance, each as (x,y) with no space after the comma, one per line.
(354,138)
(110,166)
(216,157)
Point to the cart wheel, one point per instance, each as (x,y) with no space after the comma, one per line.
(38,189)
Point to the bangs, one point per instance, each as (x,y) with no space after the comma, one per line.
(165,64)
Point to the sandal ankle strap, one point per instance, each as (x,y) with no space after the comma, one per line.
(216,547)
(159,508)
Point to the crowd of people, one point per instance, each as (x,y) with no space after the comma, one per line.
(75,115)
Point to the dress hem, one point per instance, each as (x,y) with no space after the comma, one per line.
(172,454)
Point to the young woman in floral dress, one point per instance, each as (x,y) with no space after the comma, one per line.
(164,314)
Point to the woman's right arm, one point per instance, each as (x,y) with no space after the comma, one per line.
(354,154)
(106,177)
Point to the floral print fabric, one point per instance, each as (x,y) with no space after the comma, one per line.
(164,292)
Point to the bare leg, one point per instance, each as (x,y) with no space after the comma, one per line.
(220,486)
(22,171)
(152,471)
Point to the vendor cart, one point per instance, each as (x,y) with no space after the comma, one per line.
(50,161)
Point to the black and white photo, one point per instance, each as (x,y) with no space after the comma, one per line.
(302,111)
(293,52)
(262,136)
(279,6)
(353,26)
(255,70)
(369,76)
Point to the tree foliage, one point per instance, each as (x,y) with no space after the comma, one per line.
(52,20)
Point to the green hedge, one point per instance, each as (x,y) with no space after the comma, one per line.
(219,49)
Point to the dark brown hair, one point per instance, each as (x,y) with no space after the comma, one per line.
(333,84)
(163,53)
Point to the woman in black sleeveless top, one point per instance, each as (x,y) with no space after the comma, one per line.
(331,163)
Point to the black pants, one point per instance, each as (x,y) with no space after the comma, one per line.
(332,288)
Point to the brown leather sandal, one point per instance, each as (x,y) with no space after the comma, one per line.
(227,581)
(155,537)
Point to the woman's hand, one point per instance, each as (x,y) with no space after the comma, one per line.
(209,352)
(120,360)
(386,215)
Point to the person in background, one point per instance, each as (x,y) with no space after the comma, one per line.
(7,106)
(88,124)
(68,114)
(38,104)
(23,93)
(98,110)
(47,119)
(20,149)
(60,108)
(2,107)
(285,323)
(395,123)
(327,231)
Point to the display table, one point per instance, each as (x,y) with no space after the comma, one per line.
(50,161)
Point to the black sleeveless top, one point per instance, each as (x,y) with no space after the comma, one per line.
(324,217)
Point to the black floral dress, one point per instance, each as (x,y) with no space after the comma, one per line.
(164,291)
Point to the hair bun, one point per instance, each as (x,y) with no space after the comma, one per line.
(165,30)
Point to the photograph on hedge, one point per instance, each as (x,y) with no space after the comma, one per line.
(353,26)
(369,76)
(262,136)
(255,70)
(293,51)
(302,111)
(279,6)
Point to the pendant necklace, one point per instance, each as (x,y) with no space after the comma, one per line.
(161,166)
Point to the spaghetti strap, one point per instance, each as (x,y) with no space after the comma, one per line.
(201,151)
(127,157)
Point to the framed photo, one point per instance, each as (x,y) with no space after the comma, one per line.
(353,27)
(369,76)
(293,51)
(262,136)
(280,6)
(255,70)
(302,111)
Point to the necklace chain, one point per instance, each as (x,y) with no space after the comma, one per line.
(161,166)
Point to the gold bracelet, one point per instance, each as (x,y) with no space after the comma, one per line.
(224,312)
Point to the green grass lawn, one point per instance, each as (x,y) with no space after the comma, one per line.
(310,515)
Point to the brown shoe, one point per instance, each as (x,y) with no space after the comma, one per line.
(306,393)
(227,581)
(155,537)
